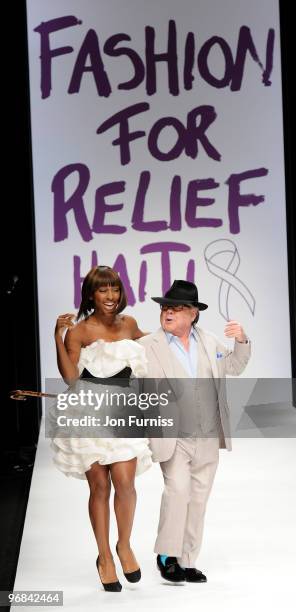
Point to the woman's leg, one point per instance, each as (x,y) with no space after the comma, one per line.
(123,478)
(98,477)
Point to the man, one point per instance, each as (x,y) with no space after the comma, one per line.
(189,461)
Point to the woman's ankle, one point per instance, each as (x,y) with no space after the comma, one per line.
(106,557)
(123,545)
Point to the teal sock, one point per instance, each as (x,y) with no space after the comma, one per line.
(163,559)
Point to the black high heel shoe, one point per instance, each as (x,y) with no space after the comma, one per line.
(130,576)
(109,586)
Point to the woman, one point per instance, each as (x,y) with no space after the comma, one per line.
(102,345)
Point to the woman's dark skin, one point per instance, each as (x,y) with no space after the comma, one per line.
(106,325)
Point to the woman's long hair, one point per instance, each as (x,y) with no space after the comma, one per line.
(99,277)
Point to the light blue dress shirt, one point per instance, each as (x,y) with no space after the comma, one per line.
(188,359)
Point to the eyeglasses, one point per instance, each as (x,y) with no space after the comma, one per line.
(174,307)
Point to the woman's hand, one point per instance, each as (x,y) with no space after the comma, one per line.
(64,322)
(68,351)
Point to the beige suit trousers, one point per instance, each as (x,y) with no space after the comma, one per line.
(188,478)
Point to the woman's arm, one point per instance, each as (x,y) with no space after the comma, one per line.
(68,351)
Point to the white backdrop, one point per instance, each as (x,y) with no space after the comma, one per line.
(245,132)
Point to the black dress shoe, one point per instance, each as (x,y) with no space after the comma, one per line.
(171,570)
(194,575)
(113,587)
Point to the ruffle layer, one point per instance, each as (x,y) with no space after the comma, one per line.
(103,359)
(74,456)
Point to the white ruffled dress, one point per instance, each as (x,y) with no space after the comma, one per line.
(74,456)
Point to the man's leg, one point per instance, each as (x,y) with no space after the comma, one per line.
(174,502)
(203,469)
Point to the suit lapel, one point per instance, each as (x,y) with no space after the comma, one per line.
(166,358)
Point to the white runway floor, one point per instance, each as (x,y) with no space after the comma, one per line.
(249,545)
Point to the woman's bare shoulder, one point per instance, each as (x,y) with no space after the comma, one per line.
(127,318)
(76,333)
(128,321)
(131,325)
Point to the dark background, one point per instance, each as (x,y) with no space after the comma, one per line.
(20,344)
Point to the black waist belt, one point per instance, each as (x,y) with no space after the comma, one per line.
(121,379)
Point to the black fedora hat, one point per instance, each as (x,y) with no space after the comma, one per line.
(181,292)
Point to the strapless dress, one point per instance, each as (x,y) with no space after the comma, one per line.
(111,363)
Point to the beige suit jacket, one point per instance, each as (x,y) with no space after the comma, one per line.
(162,363)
